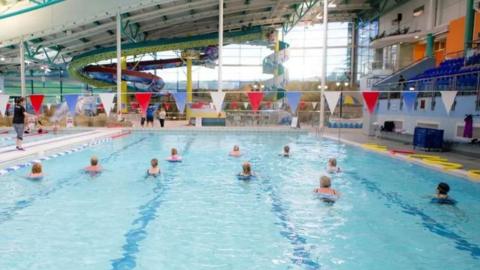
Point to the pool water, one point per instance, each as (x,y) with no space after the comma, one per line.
(197,215)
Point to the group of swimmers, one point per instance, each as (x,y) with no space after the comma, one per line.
(325,190)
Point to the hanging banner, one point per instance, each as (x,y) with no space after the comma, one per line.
(245,105)
(332,98)
(143,100)
(233,105)
(255,99)
(36,101)
(107,101)
(217,98)
(72,103)
(370,98)
(448,97)
(314,105)
(3,104)
(409,99)
(293,98)
(180,100)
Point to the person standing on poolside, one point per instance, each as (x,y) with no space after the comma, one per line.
(162,115)
(18,122)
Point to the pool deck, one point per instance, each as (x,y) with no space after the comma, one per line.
(10,156)
(357,138)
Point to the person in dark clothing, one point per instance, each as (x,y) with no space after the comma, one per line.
(401,83)
(19,114)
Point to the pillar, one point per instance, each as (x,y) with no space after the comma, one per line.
(119,63)
(220,47)
(430,42)
(324,63)
(22,69)
(189,86)
(469,24)
(124,89)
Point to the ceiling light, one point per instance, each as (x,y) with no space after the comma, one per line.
(346,84)
(2,58)
(338,83)
(332,5)
(416,37)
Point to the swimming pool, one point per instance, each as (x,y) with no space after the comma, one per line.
(197,215)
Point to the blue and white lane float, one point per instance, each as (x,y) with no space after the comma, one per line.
(73,150)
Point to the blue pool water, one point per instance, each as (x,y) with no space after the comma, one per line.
(197,215)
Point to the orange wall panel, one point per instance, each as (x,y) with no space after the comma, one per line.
(455,36)
(419,51)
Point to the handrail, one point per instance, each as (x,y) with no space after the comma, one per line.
(402,69)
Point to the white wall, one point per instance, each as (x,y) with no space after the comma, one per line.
(448,10)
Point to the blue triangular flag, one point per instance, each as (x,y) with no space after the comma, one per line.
(180,99)
(72,103)
(409,99)
(293,98)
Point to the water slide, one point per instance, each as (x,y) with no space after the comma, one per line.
(81,67)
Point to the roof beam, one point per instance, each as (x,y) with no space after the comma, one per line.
(299,12)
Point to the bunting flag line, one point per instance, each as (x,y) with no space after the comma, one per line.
(36,101)
(180,100)
(293,98)
(217,98)
(370,98)
(107,101)
(409,99)
(3,104)
(448,97)
(233,105)
(143,100)
(49,106)
(255,99)
(72,103)
(332,98)
(245,105)
(314,105)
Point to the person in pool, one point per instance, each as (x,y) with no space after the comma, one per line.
(326,189)
(236,151)
(286,151)
(174,155)
(442,195)
(332,166)
(94,166)
(246,170)
(36,173)
(154,169)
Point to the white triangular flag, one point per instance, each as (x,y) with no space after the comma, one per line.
(332,98)
(314,105)
(49,105)
(448,97)
(107,101)
(245,105)
(3,104)
(217,98)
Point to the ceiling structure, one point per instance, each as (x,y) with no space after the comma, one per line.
(175,18)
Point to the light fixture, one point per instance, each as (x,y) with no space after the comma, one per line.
(2,58)
(346,84)
(319,86)
(262,86)
(412,88)
(416,37)
(332,5)
(338,83)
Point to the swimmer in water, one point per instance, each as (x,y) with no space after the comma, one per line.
(174,155)
(442,195)
(236,151)
(154,169)
(325,187)
(94,166)
(36,171)
(332,166)
(286,151)
(246,169)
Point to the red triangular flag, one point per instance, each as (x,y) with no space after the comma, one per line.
(370,98)
(255,98)
(36,101)
(166,106)
(143,100)
(233,105)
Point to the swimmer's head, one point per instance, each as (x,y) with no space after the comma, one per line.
(247,169)
(325,182)
(236,148)
(174,151)
(154,162)
(37,168)
(332,162)
(286,149)
(443,188)
(94,161)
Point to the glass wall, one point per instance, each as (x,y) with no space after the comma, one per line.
(366,54)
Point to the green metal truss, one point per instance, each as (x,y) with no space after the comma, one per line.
(36,4)
(300,10)
(132,30)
